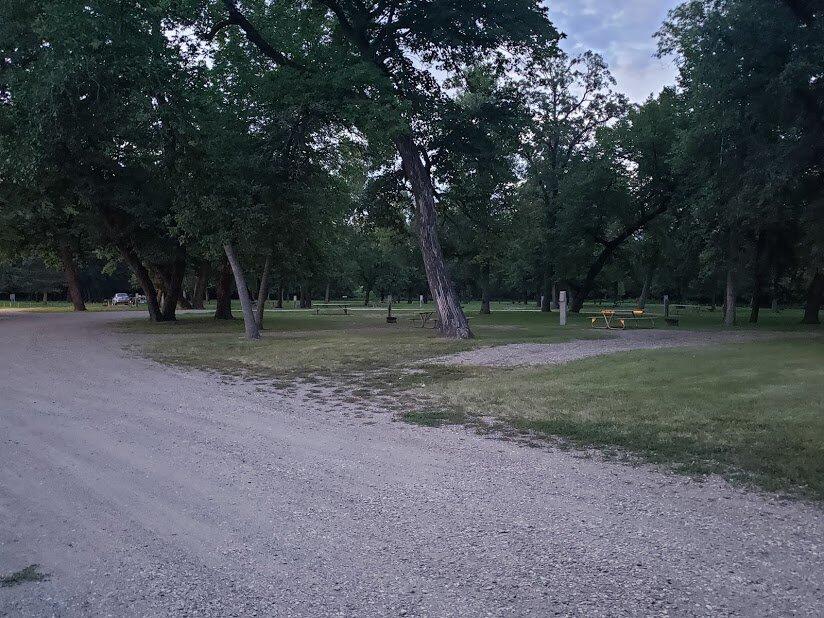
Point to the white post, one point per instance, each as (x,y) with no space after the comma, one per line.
(563,305)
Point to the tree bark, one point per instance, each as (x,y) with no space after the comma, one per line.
(144,279)
(263,291)
(366,297)
(815,298)
(223,292)
(452,320)
(545,297)
(730,298)
(202,280)
(72,279)
(758,279)
(485,300)
(280,299)
(173,287)
(326,296)
(249,322)
(642,300)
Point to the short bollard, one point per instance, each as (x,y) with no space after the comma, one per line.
(563,306)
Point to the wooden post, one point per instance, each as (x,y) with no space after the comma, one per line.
(563,307)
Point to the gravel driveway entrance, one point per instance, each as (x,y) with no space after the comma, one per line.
(146,490)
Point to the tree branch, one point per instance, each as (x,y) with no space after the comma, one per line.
(236,18)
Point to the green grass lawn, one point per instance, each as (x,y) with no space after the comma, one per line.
(299,343)
(753,412)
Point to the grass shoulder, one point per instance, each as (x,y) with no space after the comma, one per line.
(752,412)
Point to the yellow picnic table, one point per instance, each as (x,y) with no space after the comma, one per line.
(618,319)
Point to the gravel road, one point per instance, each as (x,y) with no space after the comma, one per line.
(146,490)
(523,354)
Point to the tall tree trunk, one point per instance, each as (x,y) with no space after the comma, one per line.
(642,300)
(366,297)
(305,298)
(730,297)
(72,279)
(326,296)
(172,277)
(263,291)
(758,278)
(280,298)
(201,281)
(485,304)
(452,321)
(223,292)
(249,322)
(815,298)
(143,278)
(545,297)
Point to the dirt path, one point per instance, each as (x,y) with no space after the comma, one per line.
(523,354)
(145,490)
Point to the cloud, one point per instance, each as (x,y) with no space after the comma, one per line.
(621,31)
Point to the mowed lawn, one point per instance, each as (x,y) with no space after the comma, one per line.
(753,412)
(300,343)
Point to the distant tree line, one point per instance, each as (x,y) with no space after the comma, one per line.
(267,149)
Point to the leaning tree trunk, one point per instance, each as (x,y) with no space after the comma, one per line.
(72,279)
(199,292)
(249,322)
(730,298)
(452,320)
(595,269)
(263,291)
(223,292)
(144,279)
(815,298)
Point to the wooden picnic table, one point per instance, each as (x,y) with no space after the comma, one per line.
(612,319)
(343,307)
(424,317)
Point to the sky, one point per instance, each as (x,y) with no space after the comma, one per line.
(621,31)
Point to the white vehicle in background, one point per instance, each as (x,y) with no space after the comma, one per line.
(121,298)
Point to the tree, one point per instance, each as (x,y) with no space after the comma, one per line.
(477,163)
(749,73)
(381,39)
(571,97)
